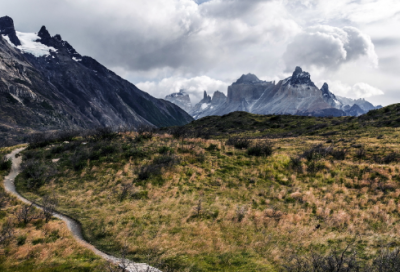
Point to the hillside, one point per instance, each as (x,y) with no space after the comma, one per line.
(28,243)
(276,126)
(232,204)
(47,85)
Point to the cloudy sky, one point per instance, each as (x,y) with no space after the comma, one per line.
(164,45)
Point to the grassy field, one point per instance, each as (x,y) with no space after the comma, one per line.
(296,186)
(36,245)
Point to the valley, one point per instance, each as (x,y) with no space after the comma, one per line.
(229,200)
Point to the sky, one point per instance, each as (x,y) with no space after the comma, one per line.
(163,46)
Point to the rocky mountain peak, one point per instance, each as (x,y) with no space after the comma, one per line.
(44,34)
(248,79)
(7,29)
(181,99)
(206,98)
(325,88)
(218,98)
(300,77)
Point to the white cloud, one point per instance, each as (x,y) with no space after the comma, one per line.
(193,86)
(358,90)
(152,40)
(329,47)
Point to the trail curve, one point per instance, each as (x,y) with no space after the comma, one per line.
(73,225)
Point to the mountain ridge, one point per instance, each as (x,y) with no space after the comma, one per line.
(295,95)
(45,84)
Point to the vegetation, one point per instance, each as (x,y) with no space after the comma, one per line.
(29,243)
(240,192)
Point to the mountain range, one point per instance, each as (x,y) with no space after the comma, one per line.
(296,95)
(46,84)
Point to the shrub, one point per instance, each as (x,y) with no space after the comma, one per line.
(5,165)
(261,149)
(147,171)
(392,157)
(295,163)
(212,147)
(165,150)
(165,160)
(239,143)
(339,154)
(360,153)
(317,152)
(179,133)
(134,153)
(21,240)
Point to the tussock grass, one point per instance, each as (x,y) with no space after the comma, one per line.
(37,245)
(204,205)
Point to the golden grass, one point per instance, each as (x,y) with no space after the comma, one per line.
(259,206)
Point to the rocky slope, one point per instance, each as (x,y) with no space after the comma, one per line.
(45,84)
(296,95)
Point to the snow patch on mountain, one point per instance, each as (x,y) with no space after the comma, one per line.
(30,44)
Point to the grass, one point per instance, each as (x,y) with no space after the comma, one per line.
(183,203)
(39,246)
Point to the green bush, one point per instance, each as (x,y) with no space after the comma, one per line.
(5,165)
(261,149)
(239,143)
(21,240)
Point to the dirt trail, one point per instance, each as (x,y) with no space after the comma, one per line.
(73,225)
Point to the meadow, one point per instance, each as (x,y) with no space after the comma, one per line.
(267,194)
(29,243)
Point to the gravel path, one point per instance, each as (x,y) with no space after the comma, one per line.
(73,225)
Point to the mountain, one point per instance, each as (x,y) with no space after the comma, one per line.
(296,95)
(181,99)
(46,84)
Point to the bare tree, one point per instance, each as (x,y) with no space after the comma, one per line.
(125,190)
(7,232)
(198,208)
(3,200)
(49,204)
(26,214)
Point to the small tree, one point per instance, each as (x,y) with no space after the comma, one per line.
(26,214)
(7,232)
(49,206)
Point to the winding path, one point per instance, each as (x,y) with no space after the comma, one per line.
(72,224)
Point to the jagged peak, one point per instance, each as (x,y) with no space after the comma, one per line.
(58,37)
(325,87)
(218,93)
(44,33)
(248,79)
(182,92)
(6,22)
(300,77)
(7,28)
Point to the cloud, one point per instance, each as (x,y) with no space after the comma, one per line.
(148,41)
(329,47)
(358,90)
(193,86)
